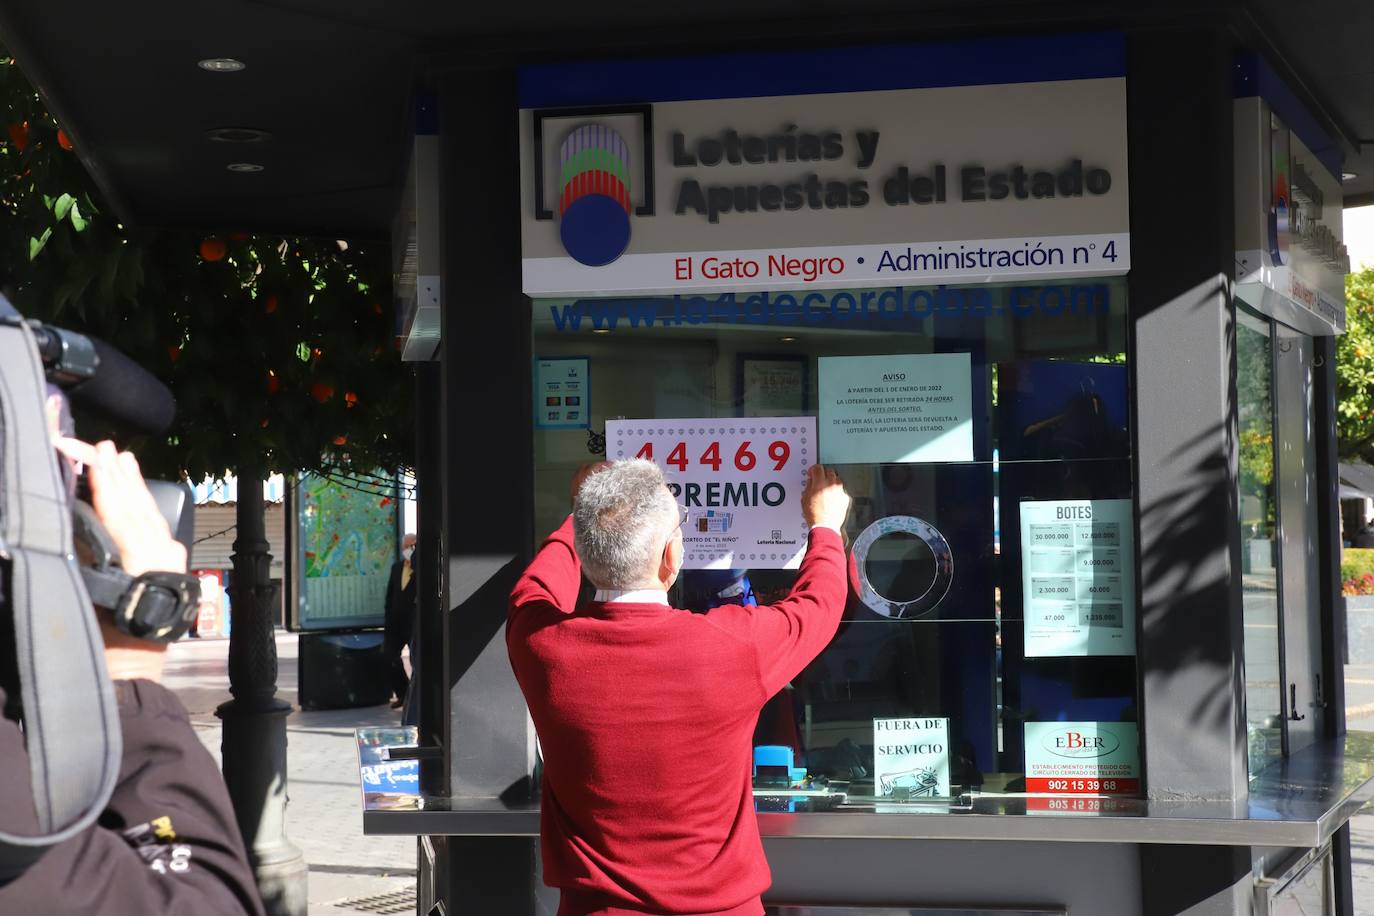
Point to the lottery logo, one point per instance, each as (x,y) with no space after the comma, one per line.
(594,204)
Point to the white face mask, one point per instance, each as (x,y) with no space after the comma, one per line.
(407,553)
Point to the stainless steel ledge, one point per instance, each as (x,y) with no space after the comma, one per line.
(1299,803)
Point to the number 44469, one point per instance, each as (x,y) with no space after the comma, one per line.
(745,459)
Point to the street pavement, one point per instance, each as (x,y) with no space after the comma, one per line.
(324,815)
(324,812)
(1359,714)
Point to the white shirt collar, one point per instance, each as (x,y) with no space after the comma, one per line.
(631,596)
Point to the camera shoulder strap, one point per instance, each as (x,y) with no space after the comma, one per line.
(71,721)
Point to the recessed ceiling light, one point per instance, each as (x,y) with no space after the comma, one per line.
(787,339)
(244,167)
(1348,176)
(238,135)
(221,65)
(601,330)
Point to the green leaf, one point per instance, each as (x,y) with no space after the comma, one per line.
(79,222)
(63,205)
(36,244)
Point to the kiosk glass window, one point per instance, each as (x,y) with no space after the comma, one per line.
(988,644)
(1258,508)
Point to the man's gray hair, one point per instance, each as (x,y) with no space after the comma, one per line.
(621,518)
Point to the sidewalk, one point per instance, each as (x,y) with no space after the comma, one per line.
(324,814)
(1359,713)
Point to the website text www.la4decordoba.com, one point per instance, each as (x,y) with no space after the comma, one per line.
(832,307)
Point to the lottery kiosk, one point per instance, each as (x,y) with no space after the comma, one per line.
(1069,344)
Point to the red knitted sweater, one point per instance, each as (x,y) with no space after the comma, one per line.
(646,717)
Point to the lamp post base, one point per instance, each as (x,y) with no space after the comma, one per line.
(254,753)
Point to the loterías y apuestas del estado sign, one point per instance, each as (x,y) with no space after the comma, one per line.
(949,163)
(903,187)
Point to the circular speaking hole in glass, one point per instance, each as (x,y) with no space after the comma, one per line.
(901,567)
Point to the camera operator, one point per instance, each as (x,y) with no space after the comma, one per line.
(167,842)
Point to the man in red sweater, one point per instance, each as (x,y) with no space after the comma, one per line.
(646,713)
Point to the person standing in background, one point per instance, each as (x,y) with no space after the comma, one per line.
(400,618)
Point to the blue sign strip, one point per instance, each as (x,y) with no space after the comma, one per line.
(1254,77)
(974,62)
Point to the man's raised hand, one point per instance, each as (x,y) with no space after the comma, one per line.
(824,500)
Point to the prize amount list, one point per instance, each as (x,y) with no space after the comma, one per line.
(1076,575)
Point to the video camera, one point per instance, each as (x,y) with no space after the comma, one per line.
(52,652)
(156,606)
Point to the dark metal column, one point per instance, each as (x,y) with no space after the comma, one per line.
(1191,638)
(488,464)
(254,735)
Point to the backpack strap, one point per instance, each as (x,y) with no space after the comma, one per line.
(71,722)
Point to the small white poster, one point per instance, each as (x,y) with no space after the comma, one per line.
(562,393)
(739,481)
(1078,577)
(911,758)
(1082,758)
(895,409)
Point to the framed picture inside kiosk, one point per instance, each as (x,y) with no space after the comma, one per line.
(947,331)
(771,384)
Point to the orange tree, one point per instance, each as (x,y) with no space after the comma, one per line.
(1355,370)
(279,350)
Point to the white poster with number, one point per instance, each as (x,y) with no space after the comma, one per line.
(738,479)
(1078,577)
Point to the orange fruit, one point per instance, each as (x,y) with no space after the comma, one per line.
(340,440)
(213,249)
(321,392)
(351,398)
(63,140)
(19,135)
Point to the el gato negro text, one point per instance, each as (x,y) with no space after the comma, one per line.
(902,186)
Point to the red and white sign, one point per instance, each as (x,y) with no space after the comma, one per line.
(739,481)
(1082,758)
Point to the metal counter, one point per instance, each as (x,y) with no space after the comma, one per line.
(1299,803)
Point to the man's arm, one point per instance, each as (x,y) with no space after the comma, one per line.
(554,576)
(786,636)
(167,842)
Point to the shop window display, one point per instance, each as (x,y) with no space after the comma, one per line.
(988,643)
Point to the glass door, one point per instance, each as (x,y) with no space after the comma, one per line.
(1258,507)
(1298,536)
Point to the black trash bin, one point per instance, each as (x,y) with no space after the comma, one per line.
(342,670)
